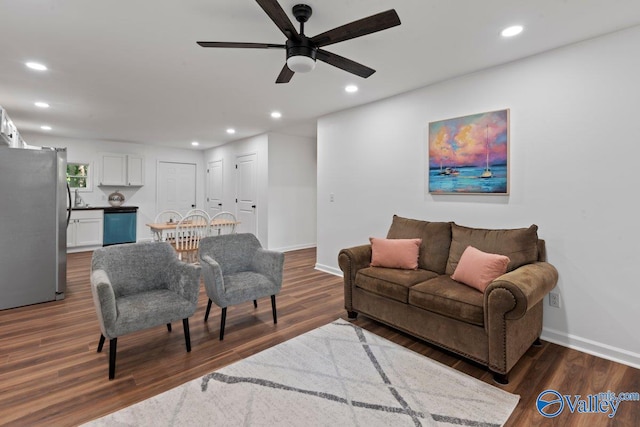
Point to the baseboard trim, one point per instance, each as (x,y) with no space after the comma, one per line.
(327,269)
(594,348)
(294,247)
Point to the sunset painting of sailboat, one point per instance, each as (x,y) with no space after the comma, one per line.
(470,154)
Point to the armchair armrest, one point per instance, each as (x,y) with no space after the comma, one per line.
(213,280)
(184,279)
(269,263)
(105,301)
(525,286)
(350,261)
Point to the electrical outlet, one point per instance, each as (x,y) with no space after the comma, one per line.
(331,197)
(554,299)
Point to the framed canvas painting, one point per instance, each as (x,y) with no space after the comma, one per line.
(470,154)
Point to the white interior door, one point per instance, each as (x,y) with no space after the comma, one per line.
(215,188)
(246,193)
(176,186)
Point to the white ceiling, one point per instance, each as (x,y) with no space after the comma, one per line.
(131,70)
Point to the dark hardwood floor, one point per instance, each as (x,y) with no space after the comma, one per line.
(50,373)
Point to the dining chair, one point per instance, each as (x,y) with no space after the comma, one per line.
(189,231)
(168,216)
(199,212)
(223,223)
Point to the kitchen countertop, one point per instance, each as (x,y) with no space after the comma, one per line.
(104,208)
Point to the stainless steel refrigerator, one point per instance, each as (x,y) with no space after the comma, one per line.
(33,225)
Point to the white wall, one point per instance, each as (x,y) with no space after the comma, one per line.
(292,192)
(81,151)
(574,149)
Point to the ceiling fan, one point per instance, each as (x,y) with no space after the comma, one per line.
(302,51)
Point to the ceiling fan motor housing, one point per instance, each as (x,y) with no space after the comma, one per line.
(302,47)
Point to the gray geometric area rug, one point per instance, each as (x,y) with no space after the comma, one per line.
(335,375)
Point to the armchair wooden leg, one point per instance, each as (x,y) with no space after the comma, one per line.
(187,336)
(112,357)
(255,303)
(101,343)
(169,327)
(352,314)
(223,318)
(273,309)
(537,343)
(206,315)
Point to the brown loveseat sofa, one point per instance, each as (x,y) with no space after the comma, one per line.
(494,328)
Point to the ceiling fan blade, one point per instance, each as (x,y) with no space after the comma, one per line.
(285,75)
(242,45)
(279,17)
(344,63)
(361,27)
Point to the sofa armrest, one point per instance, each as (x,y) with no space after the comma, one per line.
(350,261)
(525,287)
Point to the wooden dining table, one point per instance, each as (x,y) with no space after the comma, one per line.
(160,229)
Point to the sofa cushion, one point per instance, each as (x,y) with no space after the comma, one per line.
(436,238)
(445,296)
(477,269)
(519,244)
(391,282)
(395,253)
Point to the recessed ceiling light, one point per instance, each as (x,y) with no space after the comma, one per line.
(351,88)
(41,104)
(195,143)
(36,66)
(276,114)
(512,31)
(45,127)
(231,131)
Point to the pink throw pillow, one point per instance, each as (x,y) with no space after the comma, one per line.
(395,253)
(477,269)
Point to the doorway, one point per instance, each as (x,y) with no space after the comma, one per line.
(176,187)
(215,188)
(246,193)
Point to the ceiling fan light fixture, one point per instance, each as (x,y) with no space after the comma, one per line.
(301,64)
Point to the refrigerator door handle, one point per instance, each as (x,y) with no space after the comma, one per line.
(68,208)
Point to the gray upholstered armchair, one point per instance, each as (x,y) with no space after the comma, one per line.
(139,286)
(236,269)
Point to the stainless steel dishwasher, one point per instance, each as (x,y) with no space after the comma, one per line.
(120,225)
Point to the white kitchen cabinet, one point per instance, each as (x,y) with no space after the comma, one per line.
(135,170)
(113,169)
(85,230)
(121,170)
